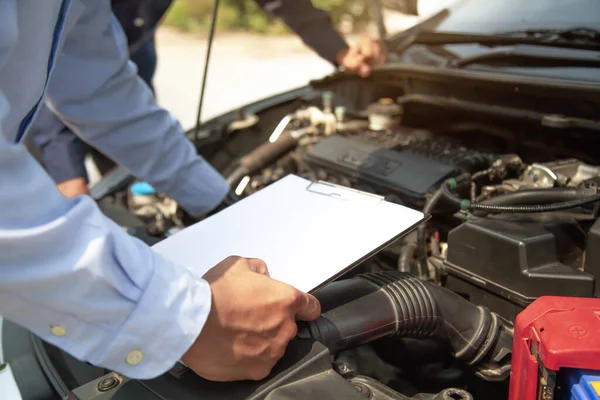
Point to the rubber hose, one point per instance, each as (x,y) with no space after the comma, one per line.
(406,255)
(268,153)
(388,304)
(422,229)
(537,208)
(534,196)
(422,233)
(262,156)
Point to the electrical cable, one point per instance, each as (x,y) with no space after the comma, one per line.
(467,205)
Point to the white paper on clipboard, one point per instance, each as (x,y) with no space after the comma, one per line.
(306,232)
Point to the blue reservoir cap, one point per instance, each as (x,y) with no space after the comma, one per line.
(142,188)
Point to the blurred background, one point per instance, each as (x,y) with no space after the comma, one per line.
(253,56)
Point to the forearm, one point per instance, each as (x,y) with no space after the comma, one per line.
(311,24)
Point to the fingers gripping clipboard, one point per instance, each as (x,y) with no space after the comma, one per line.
(308,233)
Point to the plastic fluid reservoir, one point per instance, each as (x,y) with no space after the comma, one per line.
(141,194)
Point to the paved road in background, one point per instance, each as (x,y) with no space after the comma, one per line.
(243,68)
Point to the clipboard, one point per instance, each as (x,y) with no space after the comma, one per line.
(308,233)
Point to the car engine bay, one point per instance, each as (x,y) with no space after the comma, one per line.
(514,200)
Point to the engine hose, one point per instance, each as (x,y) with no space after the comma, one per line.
(263,156)
(384,304)
(481,174)
(422,229)
(464,204)
(534,196)
(406,255)
(422,234)
(237,175)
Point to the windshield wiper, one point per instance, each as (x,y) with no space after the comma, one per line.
(571,35)
(567,40)
(530,58)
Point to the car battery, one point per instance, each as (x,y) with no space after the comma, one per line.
(582,384)
(556,350)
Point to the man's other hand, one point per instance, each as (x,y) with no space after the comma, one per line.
(73,187)
(251,321)
(362,56)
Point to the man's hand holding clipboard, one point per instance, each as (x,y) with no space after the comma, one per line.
(251,321)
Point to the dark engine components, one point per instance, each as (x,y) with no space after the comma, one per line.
(394,170)
(505,263)
(387,170)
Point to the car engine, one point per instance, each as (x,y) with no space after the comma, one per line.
(514,217)
(503,254)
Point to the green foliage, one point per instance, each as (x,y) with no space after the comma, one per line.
(188,15)
(193,15)
(227,18)
(258,23)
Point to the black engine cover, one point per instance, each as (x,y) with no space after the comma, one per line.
(407,174)
(506,263)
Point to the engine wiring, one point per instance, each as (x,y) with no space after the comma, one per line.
(450,185)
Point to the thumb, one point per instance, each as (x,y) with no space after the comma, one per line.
(309,308)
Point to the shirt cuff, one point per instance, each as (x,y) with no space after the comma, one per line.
(164,324)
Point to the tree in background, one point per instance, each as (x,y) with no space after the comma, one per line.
(194,15)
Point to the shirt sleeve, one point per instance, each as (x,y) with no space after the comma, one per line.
(95,90)
(62,152)
(311,24)
(71,275)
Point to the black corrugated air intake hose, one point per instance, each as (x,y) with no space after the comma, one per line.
(372,306)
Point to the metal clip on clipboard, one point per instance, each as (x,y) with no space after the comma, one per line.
(342,193)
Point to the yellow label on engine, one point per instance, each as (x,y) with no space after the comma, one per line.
(596,386)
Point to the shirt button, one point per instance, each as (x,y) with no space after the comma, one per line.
(134,357)
(58,330)
(139,22)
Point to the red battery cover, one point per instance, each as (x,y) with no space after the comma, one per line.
(565,333)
